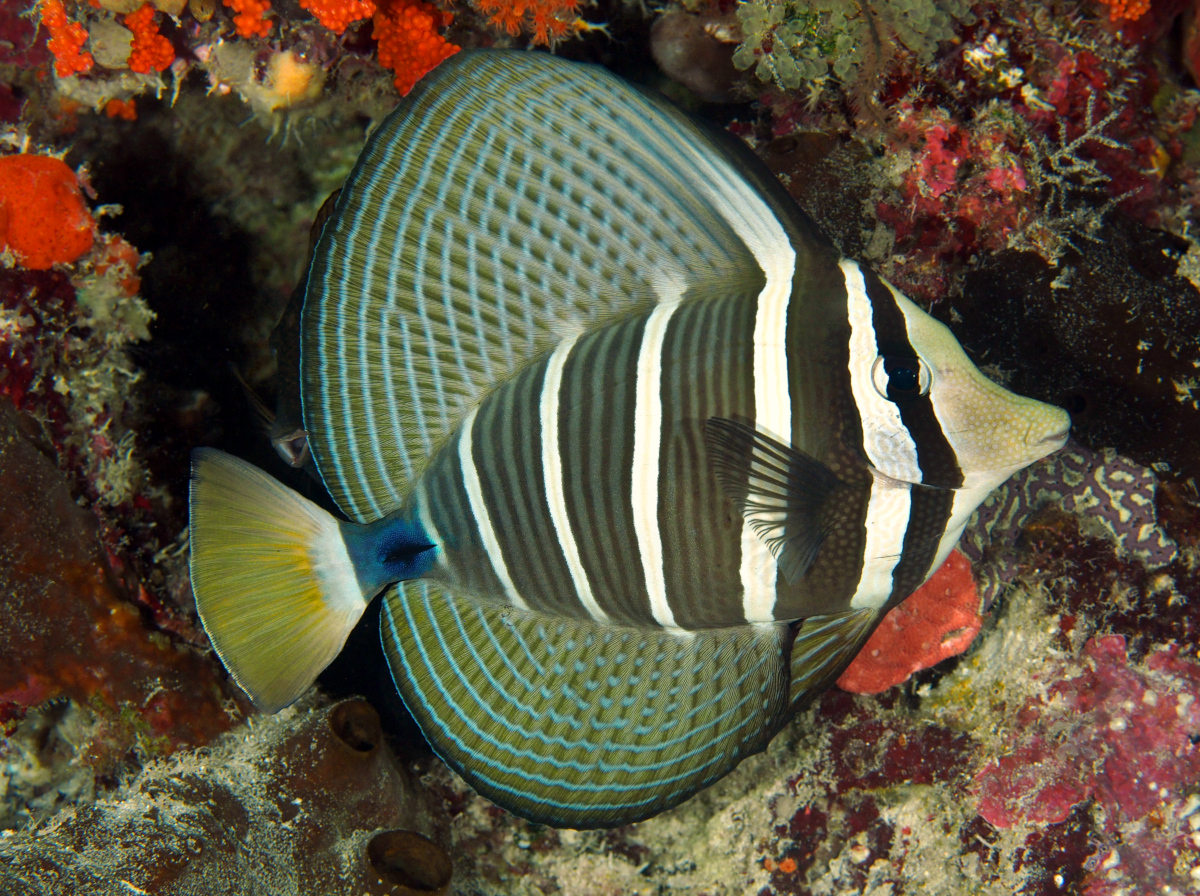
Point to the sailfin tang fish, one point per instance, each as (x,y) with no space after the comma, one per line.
(637,460)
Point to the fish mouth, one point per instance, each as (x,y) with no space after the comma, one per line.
(1058,439)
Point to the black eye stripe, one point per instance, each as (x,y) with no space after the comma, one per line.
(936,458)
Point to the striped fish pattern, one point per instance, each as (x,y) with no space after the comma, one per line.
(638,460)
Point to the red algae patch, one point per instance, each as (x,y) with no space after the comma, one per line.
(43,218)
(938,621)
(69,628)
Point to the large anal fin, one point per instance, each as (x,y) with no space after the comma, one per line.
(576,724)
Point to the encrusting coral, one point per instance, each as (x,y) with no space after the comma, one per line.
(407,36)
(74,631)
(43,218)
(80,628)
(799,44)
(1112,494)
(1122,734)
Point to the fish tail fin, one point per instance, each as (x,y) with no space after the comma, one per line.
(275,585)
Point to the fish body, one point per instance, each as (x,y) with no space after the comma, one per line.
(639,461)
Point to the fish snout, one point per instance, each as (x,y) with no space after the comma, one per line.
(1047,432)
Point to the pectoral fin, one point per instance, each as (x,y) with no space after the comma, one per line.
(780,491)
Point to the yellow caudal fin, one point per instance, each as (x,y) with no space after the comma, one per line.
(274,583)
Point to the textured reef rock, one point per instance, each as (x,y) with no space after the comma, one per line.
(69,627)
(1122,735)
(308,801)
(102,665)
(71,631)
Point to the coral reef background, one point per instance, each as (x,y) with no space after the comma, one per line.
(1026,169)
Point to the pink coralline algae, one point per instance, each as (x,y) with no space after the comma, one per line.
(938,621)
(966,189)
(1123,735)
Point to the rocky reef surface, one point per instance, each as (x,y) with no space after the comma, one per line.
(1026,169)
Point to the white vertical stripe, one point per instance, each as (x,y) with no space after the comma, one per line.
(479,511)
(886,439)
(744,210)
(753,220)
(773,415)
(552,469)
(647,438)
(965,502)
(887,521)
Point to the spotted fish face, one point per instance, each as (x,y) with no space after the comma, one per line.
(992,431)
(929,416)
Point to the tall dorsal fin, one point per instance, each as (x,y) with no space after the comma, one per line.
(512,199)
(574,723)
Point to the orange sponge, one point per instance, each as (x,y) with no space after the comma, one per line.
(336,15)
(250,21)
(66,40)
(1126,10)
(43,218)
(409,43)
(150,50)
(939,620)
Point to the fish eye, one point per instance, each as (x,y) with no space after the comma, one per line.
(901,377)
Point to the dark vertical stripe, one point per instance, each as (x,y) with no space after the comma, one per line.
(939,464)
(832,579)
(826,425)
(469,569)
(707,371)
(595,415)
(825,419)
(508,457)
(927,519)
